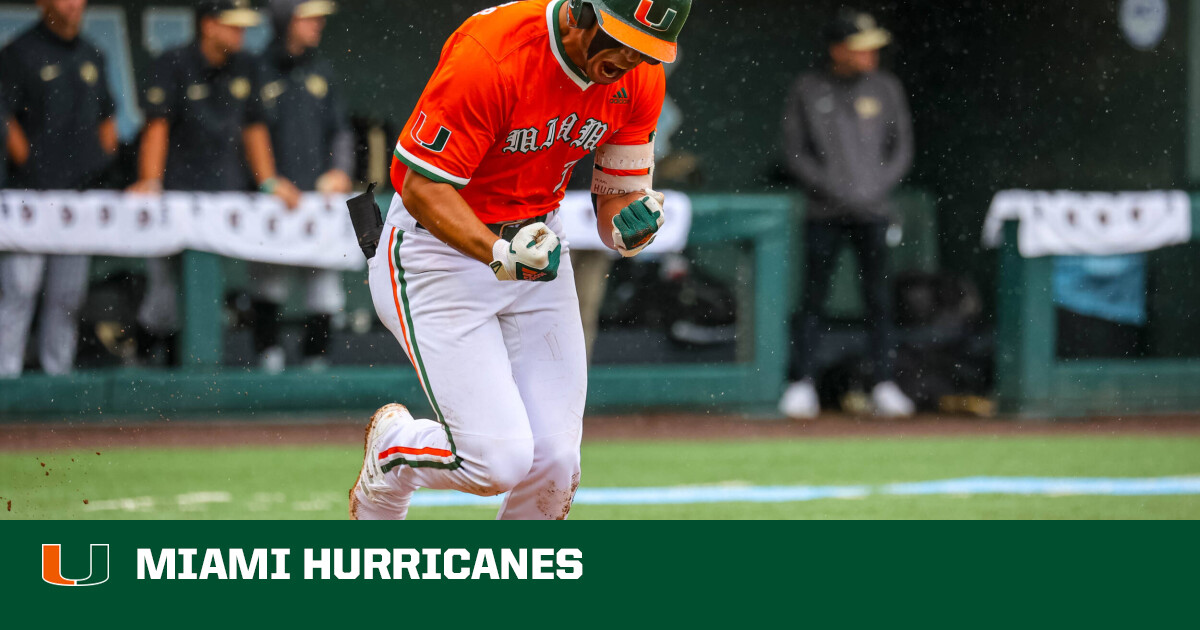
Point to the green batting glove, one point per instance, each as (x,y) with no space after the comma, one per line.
(637,224)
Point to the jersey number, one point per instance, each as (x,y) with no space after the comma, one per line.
(566,174)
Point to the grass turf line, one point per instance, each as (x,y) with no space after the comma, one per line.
(311,482)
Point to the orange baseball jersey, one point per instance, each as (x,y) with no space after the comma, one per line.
(506,114)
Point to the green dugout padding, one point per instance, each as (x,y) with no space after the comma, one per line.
(1031,381)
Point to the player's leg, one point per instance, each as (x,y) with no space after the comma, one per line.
(268,291)
(871,248)
(547,350)
(822,243)
(870,241)
(20,284)
(58,331)
(441,307)
(326,297)
(158,315)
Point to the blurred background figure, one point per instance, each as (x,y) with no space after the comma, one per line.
(848,139)
(205,132)
(62,136)
(314,148)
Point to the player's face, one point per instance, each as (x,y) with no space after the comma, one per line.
(68,13)
(608,66)
(227,38)
(854,61)
(306,32)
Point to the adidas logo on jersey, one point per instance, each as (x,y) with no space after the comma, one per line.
(620,98)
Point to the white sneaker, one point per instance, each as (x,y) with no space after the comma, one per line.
(372,498)
(800,401)
(890,401)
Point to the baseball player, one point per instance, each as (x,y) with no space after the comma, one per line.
(472,274)
(206,131)
(314,148)
(62,137)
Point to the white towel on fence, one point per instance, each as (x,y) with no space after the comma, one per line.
(1065,223)
(248,226)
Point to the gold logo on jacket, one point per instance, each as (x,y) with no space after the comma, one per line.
(89,73)
(197,92)
(273,90)
(317,85)
(50,72)
(156,96)
(240,88)
(868,107)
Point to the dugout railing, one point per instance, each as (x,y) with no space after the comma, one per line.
(202,385)
(1031,381)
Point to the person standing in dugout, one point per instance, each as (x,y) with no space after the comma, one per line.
(314,148)
(848,138)
(471,274)
(205,132)
(62,136)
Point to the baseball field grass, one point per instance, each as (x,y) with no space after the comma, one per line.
(1000,477)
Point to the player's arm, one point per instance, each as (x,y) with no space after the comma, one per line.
(256,143)
(108,114)
(18,144)
(256,139)
(108,136)
(533,254)
(628,211)
(152,157)
(160,102)
(440,209)
(13,93)
(608,210)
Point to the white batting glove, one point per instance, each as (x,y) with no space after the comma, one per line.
(636,226)
(532,255)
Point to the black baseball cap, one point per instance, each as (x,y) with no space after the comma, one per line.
(229,12)
(858,30)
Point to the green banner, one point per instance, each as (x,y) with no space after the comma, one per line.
(596,573)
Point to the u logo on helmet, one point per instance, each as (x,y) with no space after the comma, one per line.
(438,144)
(643,15)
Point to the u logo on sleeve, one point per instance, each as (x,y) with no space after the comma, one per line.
(438,144)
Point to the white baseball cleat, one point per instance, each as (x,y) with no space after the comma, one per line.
(890,401)
(372,498)
(800,401)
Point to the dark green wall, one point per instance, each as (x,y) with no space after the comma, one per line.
(1005,93)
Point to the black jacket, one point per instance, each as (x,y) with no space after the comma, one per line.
(302,102)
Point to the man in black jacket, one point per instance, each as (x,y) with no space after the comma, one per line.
(62,136)
(848,138)
(205,131)
(314,148)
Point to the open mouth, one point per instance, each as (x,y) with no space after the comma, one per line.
(611,71)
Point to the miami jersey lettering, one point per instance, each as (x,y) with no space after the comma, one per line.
(506,114)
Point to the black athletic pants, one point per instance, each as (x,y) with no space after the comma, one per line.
(823,243)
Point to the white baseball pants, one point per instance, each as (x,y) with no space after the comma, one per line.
(63,282)
(503,365)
